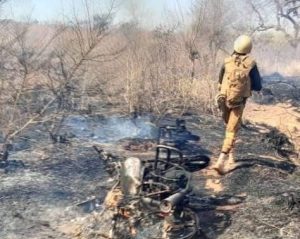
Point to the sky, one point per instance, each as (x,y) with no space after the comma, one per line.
(150,11)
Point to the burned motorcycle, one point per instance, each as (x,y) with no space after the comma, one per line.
(151,198)
(176,135)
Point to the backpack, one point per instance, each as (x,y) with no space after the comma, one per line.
(236,84)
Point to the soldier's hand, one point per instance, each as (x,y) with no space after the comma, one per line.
(220,101)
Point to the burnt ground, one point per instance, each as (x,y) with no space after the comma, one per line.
(42,183)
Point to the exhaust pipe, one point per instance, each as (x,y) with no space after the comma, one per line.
(170,202)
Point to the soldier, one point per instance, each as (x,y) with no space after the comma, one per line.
(238,77)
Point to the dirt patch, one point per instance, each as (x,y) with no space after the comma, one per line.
(138,145)
(212,180)
(283,116)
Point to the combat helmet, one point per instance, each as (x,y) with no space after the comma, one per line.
(243,44)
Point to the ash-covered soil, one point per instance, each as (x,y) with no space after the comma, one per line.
(37,196)
(42,182)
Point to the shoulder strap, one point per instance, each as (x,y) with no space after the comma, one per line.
(248,61)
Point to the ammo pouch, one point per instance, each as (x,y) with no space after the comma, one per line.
(235,102)
(224,104)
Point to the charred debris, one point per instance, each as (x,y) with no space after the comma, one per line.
(152,196)
(155,192)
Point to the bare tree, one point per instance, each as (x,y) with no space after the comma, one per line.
(279,15)
(21,105)
(76,51)
(22,99)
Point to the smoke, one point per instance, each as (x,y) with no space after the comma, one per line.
(111,129)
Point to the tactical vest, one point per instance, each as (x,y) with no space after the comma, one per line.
(236,84)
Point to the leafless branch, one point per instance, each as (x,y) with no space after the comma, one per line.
(285,10)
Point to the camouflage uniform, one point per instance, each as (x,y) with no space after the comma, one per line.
(239,67)
(233,108)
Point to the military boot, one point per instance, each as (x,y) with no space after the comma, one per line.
(231,163)
(219,165)
(231,157)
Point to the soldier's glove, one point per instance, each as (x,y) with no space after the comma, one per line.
(220,101)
